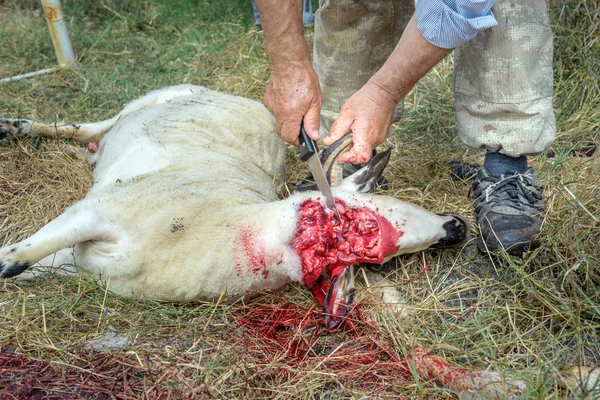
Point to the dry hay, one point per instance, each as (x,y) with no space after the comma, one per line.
(532,316)
(37,182)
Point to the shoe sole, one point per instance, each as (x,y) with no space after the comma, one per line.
(516,249)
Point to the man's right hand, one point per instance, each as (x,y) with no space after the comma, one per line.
(293,94)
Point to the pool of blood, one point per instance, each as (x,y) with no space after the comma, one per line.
(327,246)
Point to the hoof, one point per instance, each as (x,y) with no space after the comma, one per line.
(8,270)
(11,262)
(14,127)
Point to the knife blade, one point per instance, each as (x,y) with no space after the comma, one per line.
(309,152)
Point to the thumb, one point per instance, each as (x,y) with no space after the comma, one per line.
(312,120)
(339,128)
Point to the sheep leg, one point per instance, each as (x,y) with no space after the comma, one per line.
(94,131)
(89,132)
(77,224)
(62,263)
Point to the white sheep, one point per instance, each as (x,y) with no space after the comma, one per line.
(184,206)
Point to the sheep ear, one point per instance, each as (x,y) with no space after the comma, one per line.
(370,176)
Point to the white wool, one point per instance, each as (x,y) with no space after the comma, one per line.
(183,178)
(184,203)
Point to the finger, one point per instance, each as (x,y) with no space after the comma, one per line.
(339,128)
(359,153)
(290,130)
(312,120)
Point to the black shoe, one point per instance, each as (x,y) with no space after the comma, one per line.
(509,211)
(462,170)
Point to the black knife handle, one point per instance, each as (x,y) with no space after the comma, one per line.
(308,147)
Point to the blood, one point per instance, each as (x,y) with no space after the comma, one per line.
(250,252)
(293,334)
(327,246)
(277,329)
(429,366)
(92,146)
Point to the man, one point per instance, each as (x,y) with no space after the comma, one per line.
(369,54)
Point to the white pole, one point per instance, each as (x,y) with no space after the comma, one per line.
(28,75)
(60,34)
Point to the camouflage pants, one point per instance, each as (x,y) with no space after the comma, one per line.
(503,77)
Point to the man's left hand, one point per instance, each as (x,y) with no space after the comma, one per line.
(368,115)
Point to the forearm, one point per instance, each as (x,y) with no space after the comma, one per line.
(412,58)
(284,32)
(293,94)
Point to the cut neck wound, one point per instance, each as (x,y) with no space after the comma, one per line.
(325,245)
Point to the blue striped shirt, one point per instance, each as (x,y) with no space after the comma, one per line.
(451,23)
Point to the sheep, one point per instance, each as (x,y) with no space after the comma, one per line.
(184,207)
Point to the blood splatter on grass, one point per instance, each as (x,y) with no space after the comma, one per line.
(287,339)
(95,376)
(293,338)
(103,376)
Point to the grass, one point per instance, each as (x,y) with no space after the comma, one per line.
(530,316)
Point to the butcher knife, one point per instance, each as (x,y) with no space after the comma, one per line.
(309,152)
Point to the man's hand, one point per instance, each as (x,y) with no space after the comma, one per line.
(368,115)
(293,94)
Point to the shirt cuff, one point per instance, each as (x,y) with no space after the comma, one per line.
(446,25)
